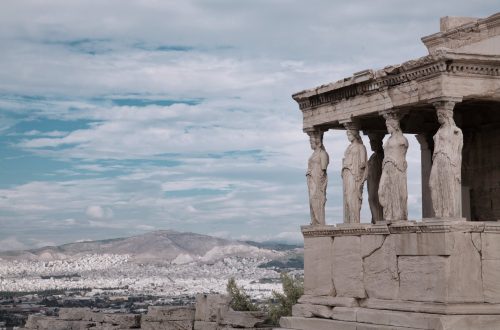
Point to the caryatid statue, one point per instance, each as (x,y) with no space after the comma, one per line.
(374,170)
(353,174)
(445,178)
(392,190)
(317,178)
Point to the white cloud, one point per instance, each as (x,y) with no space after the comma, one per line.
(241,66)
(12,243)
(99,212)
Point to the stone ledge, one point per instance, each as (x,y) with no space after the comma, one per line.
(391,320)
(404,306)
(410,226)
(329,301)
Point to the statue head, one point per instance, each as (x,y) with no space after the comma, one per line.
(315,139)
(445,116)
(352,131)
(353,135)
(392,122)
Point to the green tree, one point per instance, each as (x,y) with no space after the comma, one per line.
(240,301)
(281,303)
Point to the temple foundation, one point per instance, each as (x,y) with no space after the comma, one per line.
(407,275)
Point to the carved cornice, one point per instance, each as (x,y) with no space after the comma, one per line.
(492,227)
(401,227)
(441,62)
(465,34)
(354,230)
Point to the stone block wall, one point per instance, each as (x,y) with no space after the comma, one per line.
(212,312)
(407,275)
(168,318)
(451,266)
(84,318)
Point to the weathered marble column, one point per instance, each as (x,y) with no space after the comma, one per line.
(317,178)
(445,180)
(425,141)
(393,191)
(374,172)
(353,174)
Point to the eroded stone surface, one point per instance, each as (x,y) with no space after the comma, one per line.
(445,180)
(399,319)
(242,319)
(344,314)
(381,279)
(490,246)
(329,301)
(317,177)
(208,307)
(353,174)
(74,313)
(318,266)
(168,325)
(301,323)
(202,325)
(393,190)
(171,313)
(310,310)
(348,267)
(123,320)
(423,278)
(465,282)
(424,244)
(52,323)
(491,281)
(467,322)
(370,243)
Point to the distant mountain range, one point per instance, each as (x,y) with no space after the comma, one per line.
(158,246)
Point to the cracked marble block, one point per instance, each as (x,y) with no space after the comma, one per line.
(380,266)
(348,267)
(318,279)
(442,267)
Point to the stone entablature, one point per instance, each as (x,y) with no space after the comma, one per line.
(403,85)
(401,227)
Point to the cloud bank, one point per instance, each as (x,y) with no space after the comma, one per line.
(123,117)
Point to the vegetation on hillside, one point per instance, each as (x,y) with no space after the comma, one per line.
(278,306)
(240,301)
(281,303)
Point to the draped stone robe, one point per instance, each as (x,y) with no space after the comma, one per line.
(393,191)
(317,181)
(353,176)
(445,178)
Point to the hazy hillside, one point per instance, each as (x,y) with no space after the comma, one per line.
(157,246)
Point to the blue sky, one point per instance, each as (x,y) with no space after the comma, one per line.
(121,117)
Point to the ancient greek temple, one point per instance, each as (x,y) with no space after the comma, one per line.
(392,272)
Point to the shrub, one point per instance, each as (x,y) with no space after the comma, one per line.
(240,301)
(281,303)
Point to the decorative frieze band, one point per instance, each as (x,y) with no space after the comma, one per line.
(355,230)
(426,66)
(403,227)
